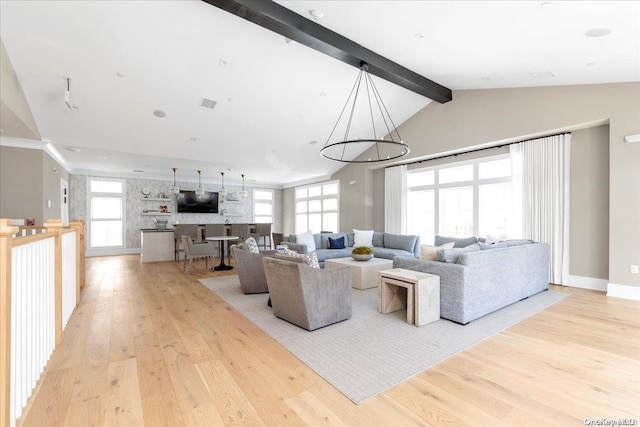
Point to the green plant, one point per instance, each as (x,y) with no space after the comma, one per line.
(362,250)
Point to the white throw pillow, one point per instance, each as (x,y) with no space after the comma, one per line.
(431,252)
(251,245)
(307,239)
(362,238)
(310,259)
(490,240)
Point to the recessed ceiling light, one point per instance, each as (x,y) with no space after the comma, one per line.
(103,157)
(74,149)
(194,139)
(208,103)
(542,74)
(546,5)
(138,170)
(591,64)
(120,75)
(323,93)
(316,14)
(314,142)
(222,63)
(418,36)
(159,113)
(597,32)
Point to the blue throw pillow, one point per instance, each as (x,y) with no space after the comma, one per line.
(336,243)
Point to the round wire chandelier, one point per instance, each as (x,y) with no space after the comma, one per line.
(385,139)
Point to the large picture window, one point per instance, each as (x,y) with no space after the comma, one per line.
(263,206)
(317,207)
(461,199)
(105,212)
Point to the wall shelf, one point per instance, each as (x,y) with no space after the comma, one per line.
(155,213)
(232,202)
(154,199)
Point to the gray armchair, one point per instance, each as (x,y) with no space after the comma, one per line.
(250,269)
(308,297)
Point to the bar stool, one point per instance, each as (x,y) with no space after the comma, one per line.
(241,231)
(277,239)
(264,230)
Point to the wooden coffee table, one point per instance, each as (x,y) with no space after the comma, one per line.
(364,274)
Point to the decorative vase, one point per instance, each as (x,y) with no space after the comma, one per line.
(362,257)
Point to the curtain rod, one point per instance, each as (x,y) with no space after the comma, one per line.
(476,150)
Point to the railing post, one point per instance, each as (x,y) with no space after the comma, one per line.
(6,235)
(55,226)
(78,225)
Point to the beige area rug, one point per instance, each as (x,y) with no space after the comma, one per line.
(371,352)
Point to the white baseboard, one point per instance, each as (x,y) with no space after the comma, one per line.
(112,251)
(624,291)
(588,283)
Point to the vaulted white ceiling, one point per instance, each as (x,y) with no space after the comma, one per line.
(274,97)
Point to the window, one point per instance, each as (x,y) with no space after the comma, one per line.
(461,199)
(263,206)
(106,213)
(317,207)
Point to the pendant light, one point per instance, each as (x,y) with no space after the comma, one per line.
(349,148)
(174,188)
(243,193)
(199,190)
(223,192)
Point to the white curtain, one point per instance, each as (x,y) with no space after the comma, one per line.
(541,172)
(395,199)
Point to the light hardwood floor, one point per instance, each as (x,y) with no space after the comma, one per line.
(149,345)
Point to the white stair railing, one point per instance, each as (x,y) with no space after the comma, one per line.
(41,274)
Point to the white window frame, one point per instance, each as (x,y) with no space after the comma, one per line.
(475,183)
(122,196)
(264,201)
(321,198)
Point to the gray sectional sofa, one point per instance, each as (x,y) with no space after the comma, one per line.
(385,245)
(475,281)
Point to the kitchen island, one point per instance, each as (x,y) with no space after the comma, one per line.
(156,245)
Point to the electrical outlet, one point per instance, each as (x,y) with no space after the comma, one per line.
(634,269)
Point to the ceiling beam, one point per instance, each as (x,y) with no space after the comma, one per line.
(287,23)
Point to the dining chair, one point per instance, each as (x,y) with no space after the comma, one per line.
(197,250)
(180,230)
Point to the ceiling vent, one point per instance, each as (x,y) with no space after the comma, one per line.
(208,103)
(542,74)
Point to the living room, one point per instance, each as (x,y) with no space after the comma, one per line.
(605,207)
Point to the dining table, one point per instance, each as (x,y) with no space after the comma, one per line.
(222,239)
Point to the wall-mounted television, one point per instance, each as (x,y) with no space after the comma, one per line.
(189,202)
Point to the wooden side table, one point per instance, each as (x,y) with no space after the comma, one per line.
(418,292)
